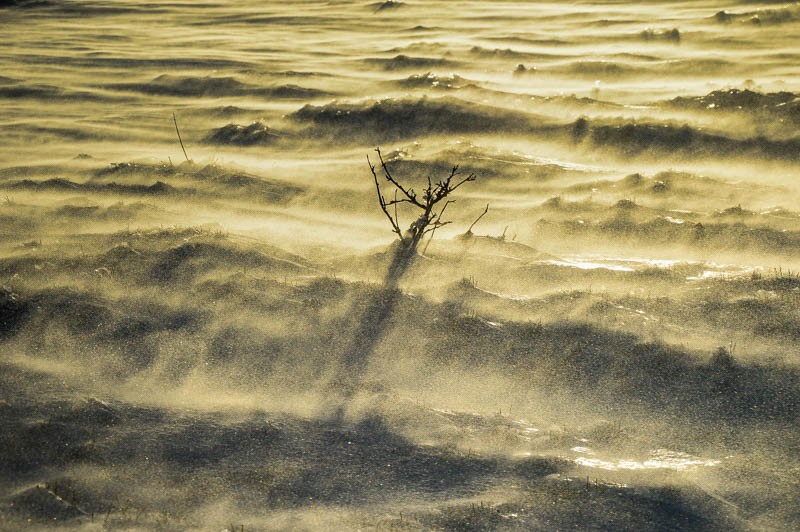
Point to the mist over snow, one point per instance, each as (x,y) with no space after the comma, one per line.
(565,293)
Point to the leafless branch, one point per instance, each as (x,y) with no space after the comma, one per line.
(438,223)
(428,201)
(178,131)
(468,179)
(478,219)
(434,226)
(408,193)
(396,216)
(382,202)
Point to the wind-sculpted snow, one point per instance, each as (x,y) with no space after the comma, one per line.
(393,119)
(780,109)
(64,185)
(405,62)
(14,90)
(737,100)
(211,317)
(430,80)
(209,180)
(767,15)
(254,134)
(27,4)
(214,87)
(632,139)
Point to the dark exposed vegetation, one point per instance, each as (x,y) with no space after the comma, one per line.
(394,119)
(214,87)
(432,202)
(255,134)
(427,208)
(633,139)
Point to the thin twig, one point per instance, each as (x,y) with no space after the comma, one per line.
(408,193)
(434,226)
(382,201)
(478,219)
(438,223)
(396,216)
(175,119)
